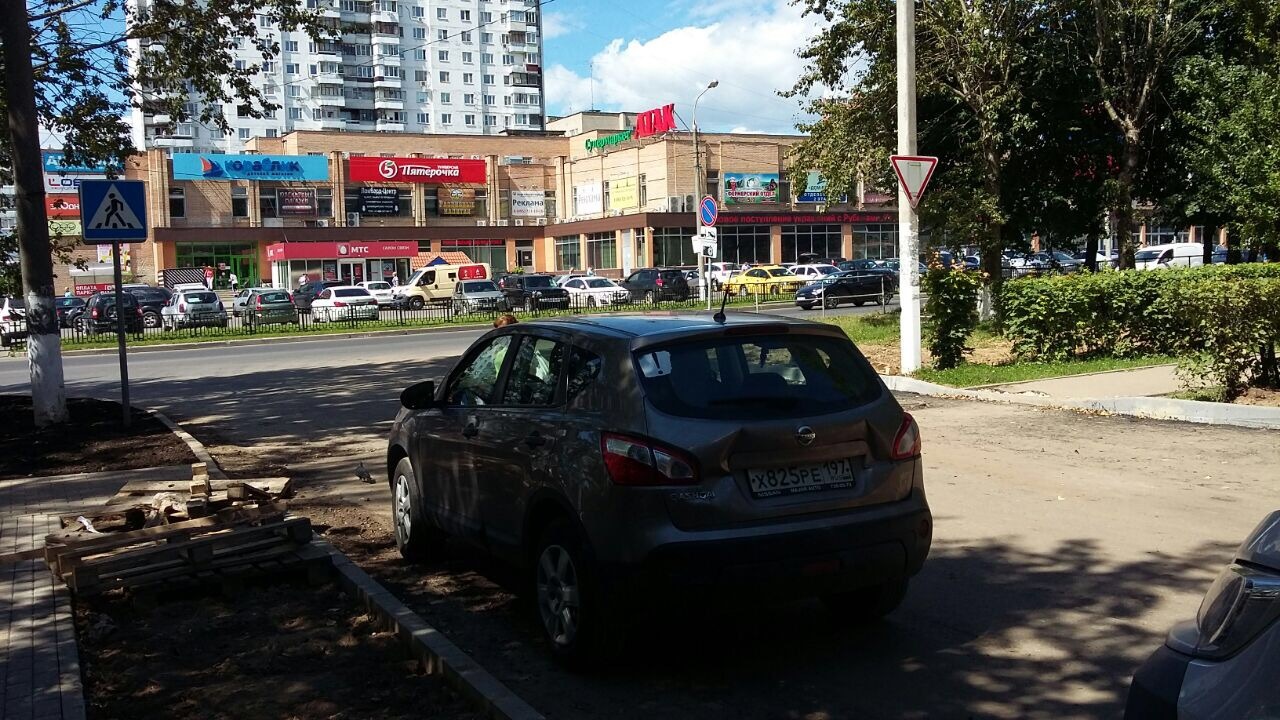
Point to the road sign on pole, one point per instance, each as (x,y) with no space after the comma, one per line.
(115,211)
(908,220)
(708,211)
(914,173)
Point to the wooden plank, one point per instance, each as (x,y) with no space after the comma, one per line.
(144,490)
(297,529)
(17,557)
(233,564)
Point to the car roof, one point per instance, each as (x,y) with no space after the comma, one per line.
(667,325)
(344,287)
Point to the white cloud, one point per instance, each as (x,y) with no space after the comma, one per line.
(750,47)
(557,24)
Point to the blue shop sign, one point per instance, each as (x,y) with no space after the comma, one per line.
(204,166)
(53,163)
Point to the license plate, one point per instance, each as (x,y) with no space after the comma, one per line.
(777,482)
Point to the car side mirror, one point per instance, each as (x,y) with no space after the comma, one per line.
(419,396)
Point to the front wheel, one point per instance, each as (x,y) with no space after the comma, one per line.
(415,538)
(774,289)
(572,606)
(416,303)
(151,320)
(830,302)
(867,604)
(591,302)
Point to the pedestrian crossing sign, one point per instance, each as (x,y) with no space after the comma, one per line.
(113,210)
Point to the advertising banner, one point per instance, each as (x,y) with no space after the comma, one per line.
(528,203)
(62,206)
(66,184)
(456,201)
(815,189)
(54,162)
(87,289)
(379,201)
(295,202)
(212,166)
(750,188)
(104,255)
(624,193)
(65,227)
(327,250)
(417,170)
(588,199)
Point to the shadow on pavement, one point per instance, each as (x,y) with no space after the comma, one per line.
(988,630)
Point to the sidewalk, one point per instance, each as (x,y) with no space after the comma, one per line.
(1136,382)
(39,660)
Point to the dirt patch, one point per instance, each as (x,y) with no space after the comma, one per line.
(280,651)
(1260,396)
(887,359)
(94,440)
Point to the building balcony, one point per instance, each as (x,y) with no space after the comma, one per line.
(385,16)
(173,141)
(360,102)
(157,119)
(388,103)
(331,100)
(329,49)
(523,79)
(353,16)
(388,60)
(387,81)
(389,126)
(329,78)
(330,124)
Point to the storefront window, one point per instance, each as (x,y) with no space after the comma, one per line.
(875,240)
(673,247)
(568,253)
(820,240)
(224,258)
(602,250)
(493,252)
(744,244)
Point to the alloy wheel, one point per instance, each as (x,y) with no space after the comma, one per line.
(559,598)
(403,510)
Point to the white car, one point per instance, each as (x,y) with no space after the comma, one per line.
(814,273)
(1172,255)
(560,280)
(344,303)
(593,291)
(720,272)
(381,290)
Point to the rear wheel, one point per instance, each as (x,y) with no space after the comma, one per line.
(830,302)
(151,319)
(415,303)
(416,539)
(867,604)
(774,290)
(573,609)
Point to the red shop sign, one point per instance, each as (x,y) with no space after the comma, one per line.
(62,206)
(471,272)
(417,170)
(332,250)
(88,289)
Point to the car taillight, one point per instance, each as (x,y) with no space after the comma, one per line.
(906,444)
(659,282)
(338,303)
(94,314)
(634,461)
(182,307)
(259,302)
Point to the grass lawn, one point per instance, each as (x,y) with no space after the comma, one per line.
(971,374)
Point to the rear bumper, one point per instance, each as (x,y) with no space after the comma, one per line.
(860,548)
(1157,685)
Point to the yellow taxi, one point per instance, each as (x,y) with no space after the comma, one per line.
(764,280)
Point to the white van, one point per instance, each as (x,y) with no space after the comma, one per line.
(433,284)
(1159,257)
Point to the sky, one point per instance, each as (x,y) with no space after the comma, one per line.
(645,54)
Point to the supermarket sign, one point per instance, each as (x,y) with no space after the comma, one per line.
(648,123)
(417,170)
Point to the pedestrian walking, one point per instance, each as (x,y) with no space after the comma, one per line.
(302,280)
(68,293)
(235,282)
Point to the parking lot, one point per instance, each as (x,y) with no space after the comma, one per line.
(1065,545)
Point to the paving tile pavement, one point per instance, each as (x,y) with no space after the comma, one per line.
(39,660)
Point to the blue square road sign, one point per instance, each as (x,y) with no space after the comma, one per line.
(113,210)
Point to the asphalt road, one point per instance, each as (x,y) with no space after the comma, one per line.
(1065,546)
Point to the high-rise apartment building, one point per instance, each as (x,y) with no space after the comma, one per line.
(420,66)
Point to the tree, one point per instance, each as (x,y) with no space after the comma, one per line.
(972,57)
(68,69)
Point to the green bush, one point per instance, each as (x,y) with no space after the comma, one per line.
(1222,319)
(952,307)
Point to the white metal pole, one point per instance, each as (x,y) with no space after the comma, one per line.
(908,219)
(700,189)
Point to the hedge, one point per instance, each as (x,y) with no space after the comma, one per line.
(1224,319)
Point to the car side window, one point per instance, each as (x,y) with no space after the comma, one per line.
(534,373)
(475,384)
(584,367)
(326,294)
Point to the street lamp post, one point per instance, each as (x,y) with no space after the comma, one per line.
(700,189)
(908,218)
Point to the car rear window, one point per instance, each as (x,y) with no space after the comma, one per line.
(598,283)
(671,274)
(351,292)
(200,297)
(279,296)
(538,281)
(479,287)
(759,377)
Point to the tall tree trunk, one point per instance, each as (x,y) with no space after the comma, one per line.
(1124,200)
(992,249)
(44,343)
(1091,252)
(1206,257)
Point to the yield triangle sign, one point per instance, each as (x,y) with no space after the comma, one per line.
(114,213)
(914,172)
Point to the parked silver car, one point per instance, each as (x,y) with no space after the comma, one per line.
(1225,663)
(477,296)
(193,308)
(619,457)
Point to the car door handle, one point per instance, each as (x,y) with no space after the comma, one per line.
(535,439)
(470,430)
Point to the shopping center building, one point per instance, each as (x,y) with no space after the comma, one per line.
(606,191)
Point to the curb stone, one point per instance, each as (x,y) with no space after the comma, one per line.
(1154,408)
(437,653)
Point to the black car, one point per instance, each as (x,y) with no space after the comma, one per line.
(309,290)
(858,287)
(100,314)
(68,309)
(531,292)
(654,284)
(860,264)
(151,300)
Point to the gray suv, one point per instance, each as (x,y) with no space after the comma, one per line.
(618,457)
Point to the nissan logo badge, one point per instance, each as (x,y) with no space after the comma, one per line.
(805,435)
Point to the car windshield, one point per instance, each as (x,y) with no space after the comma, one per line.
(1146,255)
(379,286)
(200,297)
(779,272)
(479,287)
(278,296)
(538,281)
(1062,257)
(351,292)
(598,283)
(828,270)
(761,376)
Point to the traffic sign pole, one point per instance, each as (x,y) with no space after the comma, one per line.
(124,358)
(908,219)
(708,213)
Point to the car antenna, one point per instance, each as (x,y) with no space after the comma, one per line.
(719,316)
